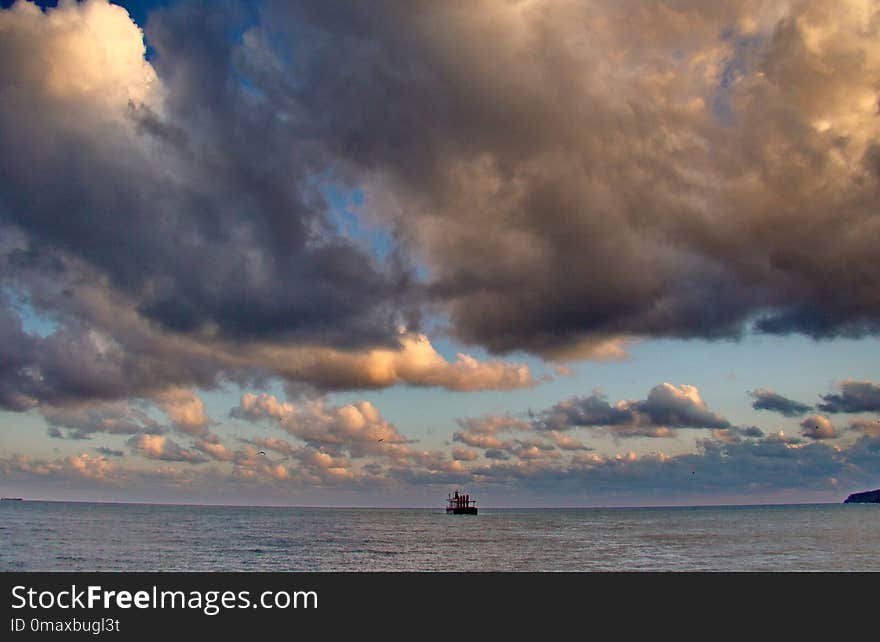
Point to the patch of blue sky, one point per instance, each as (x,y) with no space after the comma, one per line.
(346,205)
(32,320)
(343,204)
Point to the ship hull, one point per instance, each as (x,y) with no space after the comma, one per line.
(462,510)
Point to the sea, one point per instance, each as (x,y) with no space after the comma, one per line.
(76,536)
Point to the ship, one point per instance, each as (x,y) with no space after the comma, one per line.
(460,504)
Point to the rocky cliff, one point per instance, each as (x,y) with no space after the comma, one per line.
(867,497)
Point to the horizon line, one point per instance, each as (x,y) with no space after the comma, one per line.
(410,507)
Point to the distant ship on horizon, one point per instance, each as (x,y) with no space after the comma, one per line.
(11,499)
(460,504)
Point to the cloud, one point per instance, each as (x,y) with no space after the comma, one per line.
(681,406)
(610,215)
(74,467)
(780,437)
(220,452)
(710,170)
(119,355)
(855,396)
(83,420)
(164,449)
(351,443)
(762,466)
(109,452)
(254,407)
(278,445)
(480,441)
(227,264)
(483,432)
(818,427)
(17,350)
(464,454)
(243,247)
(666,406)
(533,449)
(357,428)
(867,427)
(592,410)
(415,362)
(318,466)
(545,434)
(773,466)
(612,219)
(567,442)
(657,199)
(56,433)
(92,52)
(80,420)
(735,434)
(186,411)
(770,400)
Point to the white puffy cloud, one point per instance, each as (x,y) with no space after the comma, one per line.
(162,448)
(186,411)
(358,426)
(667,406)
(90,55)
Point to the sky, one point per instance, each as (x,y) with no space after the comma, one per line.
(550,252)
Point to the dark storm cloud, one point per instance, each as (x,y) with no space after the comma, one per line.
(209,215)
(774,402)
(557,167)
(102,349)
(17,353)
(855,396)
(94,353)
(160,233)
(565,179)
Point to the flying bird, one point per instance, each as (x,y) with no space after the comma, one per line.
(262,452)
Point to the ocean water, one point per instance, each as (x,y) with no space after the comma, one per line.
(61,536)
